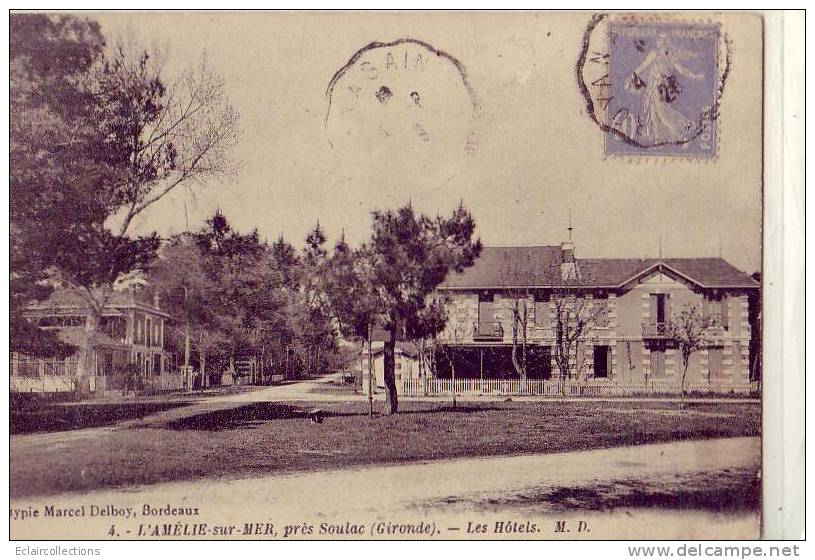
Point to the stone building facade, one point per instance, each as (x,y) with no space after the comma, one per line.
(631,309)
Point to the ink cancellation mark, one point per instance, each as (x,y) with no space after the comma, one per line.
(404,92)
(654,85)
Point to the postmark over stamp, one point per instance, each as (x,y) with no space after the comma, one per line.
(653,85)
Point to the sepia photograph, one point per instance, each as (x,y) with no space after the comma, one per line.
(386,275)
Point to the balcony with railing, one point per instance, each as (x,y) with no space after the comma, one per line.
(540,332)
(656,330)
(716,330)
(488,331)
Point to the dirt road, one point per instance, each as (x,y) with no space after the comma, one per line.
(448,494)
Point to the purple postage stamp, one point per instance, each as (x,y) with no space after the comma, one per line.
(663,86)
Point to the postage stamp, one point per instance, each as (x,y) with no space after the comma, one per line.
(655,85)
(663,87)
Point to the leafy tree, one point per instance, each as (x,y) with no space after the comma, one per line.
(287,261)
(182,278)
(314,330)
(410,256)
(51,144)
(352,299)
(97,140)
(227,290)
(348,285)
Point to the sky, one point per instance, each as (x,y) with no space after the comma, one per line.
(512,141)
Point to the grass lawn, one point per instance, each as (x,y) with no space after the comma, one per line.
(268,438)
(59,417)
(33,412)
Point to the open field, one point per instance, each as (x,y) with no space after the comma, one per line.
(264,438)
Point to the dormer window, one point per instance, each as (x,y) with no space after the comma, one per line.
(568,271)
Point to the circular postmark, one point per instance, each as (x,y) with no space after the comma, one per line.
(403,94)
(653,84)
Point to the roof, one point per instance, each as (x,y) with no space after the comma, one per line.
(539,266)
(405,347)
(511,266)
(79,336)
(70,299)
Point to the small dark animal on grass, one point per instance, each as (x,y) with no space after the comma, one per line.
(316,415)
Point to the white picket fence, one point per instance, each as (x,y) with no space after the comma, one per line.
(556,388)
(42,367)
(42,384)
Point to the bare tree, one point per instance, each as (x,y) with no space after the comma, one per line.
(689,330)
(454,333)
(576,316)
(518,284)
(161,135)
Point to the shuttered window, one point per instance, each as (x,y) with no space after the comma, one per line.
(541,310)
(714,360)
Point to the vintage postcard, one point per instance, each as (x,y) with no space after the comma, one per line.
(386,275)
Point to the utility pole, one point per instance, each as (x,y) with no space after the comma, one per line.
(370,376)
(187,372)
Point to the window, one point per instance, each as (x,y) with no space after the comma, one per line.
(61,321)
(115,327)
(541,303)
(657,359)
(601,309)
(660,309)
(602,361)
(485,305)
(717,309)
(714,360)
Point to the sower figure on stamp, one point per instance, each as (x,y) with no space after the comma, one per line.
(659,122)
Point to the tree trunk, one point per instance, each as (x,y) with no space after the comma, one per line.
(523,353)
(370,376)
(86,362)
(514,355)
(523,326)
(203,371)
(453,373)
(389,358)
(188,379)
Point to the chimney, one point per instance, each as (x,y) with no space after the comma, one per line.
(567,251)
(156,299)
(568,268)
